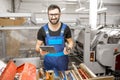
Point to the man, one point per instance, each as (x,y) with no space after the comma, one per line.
(55,33)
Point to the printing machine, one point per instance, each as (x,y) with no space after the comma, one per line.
(99,49)
(96,41)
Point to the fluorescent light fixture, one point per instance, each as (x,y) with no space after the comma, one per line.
(39,19)
(63,9)
(82,8)
(44,10)
(71,0)
(86,10)
(102,9)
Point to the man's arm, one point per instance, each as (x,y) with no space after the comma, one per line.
(38,44)
(70,45)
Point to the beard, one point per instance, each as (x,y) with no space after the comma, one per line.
(54,21)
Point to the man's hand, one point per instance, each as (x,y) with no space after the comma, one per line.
(43,52)
(67,50)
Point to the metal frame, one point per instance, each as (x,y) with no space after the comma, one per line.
(94,66)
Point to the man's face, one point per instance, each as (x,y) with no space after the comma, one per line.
(54,16)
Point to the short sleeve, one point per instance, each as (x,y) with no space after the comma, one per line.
(67,32)
(41,34)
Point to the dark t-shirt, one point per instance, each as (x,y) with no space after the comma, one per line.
(41,33)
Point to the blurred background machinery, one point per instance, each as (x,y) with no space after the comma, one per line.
(99,49)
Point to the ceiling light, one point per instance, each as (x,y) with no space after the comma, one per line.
(71,0)
(79,9)
(39,19)
(86,10)
(44,10)
(102,9)
(63,9)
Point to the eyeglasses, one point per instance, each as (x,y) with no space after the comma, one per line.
(54,14)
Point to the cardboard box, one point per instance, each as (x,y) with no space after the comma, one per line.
(12,22)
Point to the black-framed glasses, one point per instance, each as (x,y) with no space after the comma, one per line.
(57,14)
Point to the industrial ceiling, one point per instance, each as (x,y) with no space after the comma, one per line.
(78,8)
(67,6)
(41,5)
